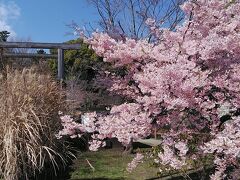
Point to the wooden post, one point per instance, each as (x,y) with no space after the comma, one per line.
(60,64)
(1,58)
(155,132)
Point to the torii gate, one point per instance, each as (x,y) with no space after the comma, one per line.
(36,45)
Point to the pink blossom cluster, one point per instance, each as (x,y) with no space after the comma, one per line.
(169,157)
(185,82)
(182,147)
(154,28)
(126,122)
(96,144)
(70,127)
(225,146)
(74,129)
(132,165)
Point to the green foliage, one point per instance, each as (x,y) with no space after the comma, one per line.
(80,63)
(4,35)
(41,51)
(230,3)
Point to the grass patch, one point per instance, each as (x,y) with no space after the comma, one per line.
(109,164)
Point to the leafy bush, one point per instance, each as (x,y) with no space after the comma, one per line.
(28,122)
(78,63)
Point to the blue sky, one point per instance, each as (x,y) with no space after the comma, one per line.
(44,20)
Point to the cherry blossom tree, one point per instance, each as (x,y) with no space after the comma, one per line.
(186,82)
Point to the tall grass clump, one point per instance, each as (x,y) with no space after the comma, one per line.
(29,105)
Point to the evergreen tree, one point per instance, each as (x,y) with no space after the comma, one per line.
(4,35)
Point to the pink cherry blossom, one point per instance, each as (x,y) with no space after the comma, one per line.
(185,82)
(138,159)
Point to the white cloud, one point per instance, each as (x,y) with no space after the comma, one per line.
(8,12)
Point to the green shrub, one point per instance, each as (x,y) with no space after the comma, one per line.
(80,63)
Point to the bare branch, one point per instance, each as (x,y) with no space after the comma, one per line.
(129,16)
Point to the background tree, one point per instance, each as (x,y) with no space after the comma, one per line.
(128,17)
(4,35)
(3,38)
(41,51)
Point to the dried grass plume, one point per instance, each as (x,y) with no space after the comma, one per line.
(28,123)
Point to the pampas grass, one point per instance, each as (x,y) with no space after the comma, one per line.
(29,105)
